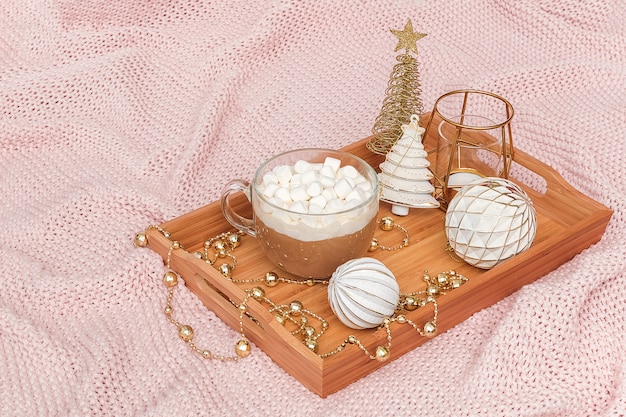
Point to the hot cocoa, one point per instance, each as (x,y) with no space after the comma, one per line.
(313,209)
(316,258)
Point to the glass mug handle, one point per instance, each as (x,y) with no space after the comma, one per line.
(238,221)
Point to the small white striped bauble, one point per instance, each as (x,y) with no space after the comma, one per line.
(490,220)
(363,292)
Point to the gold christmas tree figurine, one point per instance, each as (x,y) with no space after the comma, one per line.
(402,96)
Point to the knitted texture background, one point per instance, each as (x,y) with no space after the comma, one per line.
(117,115)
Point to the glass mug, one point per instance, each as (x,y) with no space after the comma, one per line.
(307,244)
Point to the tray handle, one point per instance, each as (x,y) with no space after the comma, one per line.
(260,326)
(557,190)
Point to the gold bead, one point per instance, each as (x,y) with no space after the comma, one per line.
(226,270)
(207,244)
(457,282)
(401,319)
(382,353)
(141,240)
(310,282)
(175,244)
(280,318)
(386,223)
(257,293)
(295,307)
(170,279)
(411,303)
(206,354)
(234,240)
(220,248)
(185,332)
(198,255)
(352,339)
(271,279)
(324,324)
(311,344)
(430,329)
(432,290)
(308,331)
(386,321)
(168,310)
(243,348)
(373,245)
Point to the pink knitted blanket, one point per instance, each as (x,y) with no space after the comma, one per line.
(117,115)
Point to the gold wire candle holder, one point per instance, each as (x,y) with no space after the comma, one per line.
(473,140)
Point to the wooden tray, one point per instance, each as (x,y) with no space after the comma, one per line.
(568,222)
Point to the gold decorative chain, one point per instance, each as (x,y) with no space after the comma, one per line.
(303,320)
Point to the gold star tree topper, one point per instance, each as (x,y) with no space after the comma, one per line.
(407,39)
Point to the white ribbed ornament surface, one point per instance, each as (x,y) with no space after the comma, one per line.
(362,292)
(490,220)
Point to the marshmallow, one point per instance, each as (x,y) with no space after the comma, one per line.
(277,202)
(282,193)
(299,207)
(301,167)
(299,193)
(316,209)
(296,179)
(329,193)
(283,174)
(356,194)
(311,222)
(334,206)
(343,188)
(351,203)
(327,181)
(269,189)
(289,218)
(269,177)
(314,189)
(365,186)
(318,201)
(308,177)
(333,163)
(317,166)
(348,171)
(359,179)
(327,171)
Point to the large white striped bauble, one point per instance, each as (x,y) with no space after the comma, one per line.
(363,292)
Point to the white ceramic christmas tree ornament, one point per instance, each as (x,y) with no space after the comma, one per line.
(405,176)
(363,292)
(490,220)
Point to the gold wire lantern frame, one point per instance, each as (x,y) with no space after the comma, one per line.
(454,164)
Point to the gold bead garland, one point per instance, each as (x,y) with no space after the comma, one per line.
(387,224)
(303,320)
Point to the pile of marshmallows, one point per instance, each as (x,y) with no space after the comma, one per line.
(316,189)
